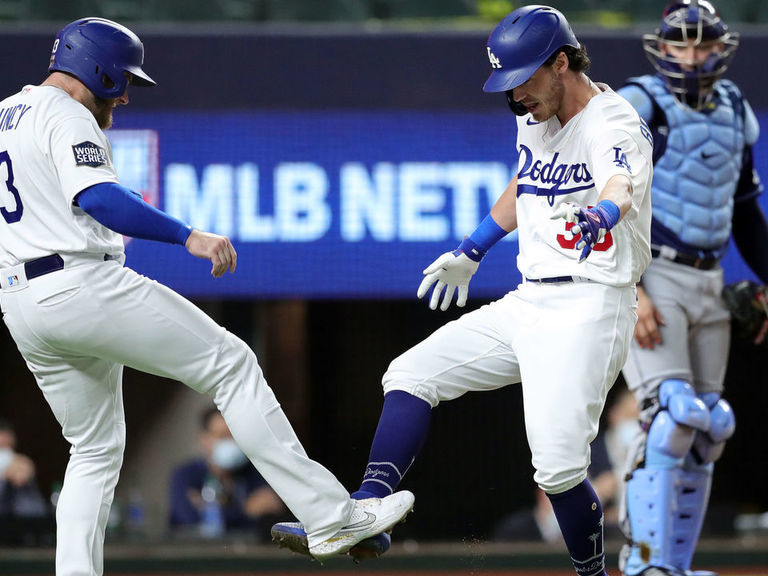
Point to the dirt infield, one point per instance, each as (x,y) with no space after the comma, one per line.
(751,571)
(727,557)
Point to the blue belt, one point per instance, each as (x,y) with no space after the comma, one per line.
(551,280)
(51,263)
(42,266)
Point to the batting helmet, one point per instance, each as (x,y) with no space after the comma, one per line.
(685,23)
(99,52)
(522,42)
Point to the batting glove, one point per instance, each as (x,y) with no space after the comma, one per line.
(591,223)
(452,271)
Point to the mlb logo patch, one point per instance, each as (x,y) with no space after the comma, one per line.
(13,280)
(89,154)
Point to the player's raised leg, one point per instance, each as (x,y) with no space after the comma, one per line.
(401,432)
(201,354)
(462,356)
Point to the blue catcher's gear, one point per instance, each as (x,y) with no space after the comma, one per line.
(522,42)
(708,446)
(685,23)
(695,176)
(99,53)
(667,498)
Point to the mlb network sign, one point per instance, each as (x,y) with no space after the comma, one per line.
(318,205)
(323,205)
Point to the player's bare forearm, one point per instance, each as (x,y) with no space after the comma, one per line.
(217,249)
(619,191)
(504,212)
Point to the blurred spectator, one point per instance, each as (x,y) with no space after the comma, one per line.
(220,492)
(609,453)
(25,518)
(610,450)
(19,495)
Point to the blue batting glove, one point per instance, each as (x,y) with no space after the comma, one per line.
(591,223)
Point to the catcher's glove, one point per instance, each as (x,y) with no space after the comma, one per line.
(747,302)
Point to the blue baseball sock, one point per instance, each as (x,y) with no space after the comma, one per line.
(402,430)
(580,516)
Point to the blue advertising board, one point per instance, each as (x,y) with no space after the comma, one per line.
(330,204)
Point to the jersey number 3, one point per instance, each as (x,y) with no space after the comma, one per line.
(15,215)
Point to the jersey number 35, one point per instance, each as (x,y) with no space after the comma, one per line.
(569,241)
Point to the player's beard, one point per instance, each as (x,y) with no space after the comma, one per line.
(103,113)
(101,108)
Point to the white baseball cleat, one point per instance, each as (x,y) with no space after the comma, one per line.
(369,517)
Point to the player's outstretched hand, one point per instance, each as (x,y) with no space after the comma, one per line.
(452,271)
(591,223)
(217,249)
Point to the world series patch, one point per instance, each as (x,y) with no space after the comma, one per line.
(89,154)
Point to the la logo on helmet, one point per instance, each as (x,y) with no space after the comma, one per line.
(495,62)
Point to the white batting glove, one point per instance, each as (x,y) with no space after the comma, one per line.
(452,272)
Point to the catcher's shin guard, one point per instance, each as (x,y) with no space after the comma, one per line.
(708,445)
(666,509)
(663,501)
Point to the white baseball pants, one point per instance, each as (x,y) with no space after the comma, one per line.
(565,342)
(77,327)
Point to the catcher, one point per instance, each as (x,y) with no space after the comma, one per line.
(704,191)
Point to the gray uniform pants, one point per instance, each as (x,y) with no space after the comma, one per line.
(696,337)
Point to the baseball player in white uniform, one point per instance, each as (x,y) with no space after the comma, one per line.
(78,315)
(581,205)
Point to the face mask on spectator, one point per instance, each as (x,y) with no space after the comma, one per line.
(227,455)
(626,432)
(6,455)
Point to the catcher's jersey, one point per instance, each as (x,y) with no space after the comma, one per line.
(573,164)
(51,148)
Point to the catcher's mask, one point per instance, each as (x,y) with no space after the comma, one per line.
(102,54)
(688,23)
(521,43)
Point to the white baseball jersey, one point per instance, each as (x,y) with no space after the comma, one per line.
(514,339)
(78,326)
(573,164)
(51,148)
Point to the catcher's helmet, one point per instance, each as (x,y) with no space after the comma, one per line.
(685,23)
(99,52)
(522,42)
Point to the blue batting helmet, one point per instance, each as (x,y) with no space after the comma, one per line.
(99,52)
(522,42)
